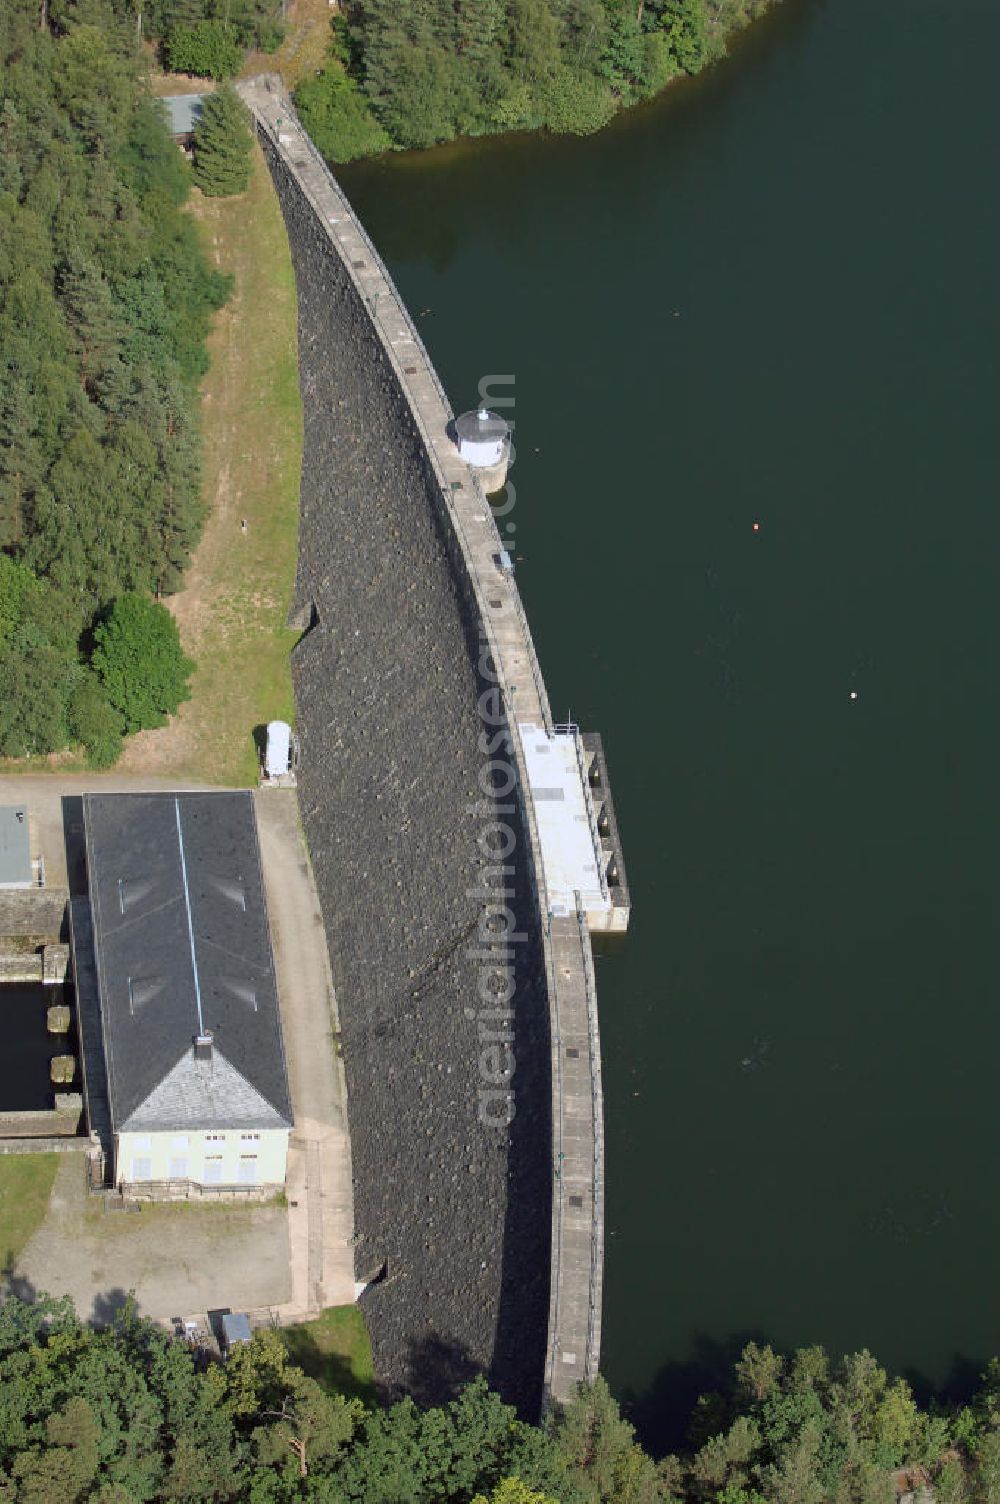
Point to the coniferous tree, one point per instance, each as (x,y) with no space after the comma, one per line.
(106,297)
(222,145)
(98,331)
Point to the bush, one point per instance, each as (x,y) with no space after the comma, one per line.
(222,145)
(270,35)
(574,103)
(209,48)
(659,65)
(685,25)
(95,723)
(337,117)
(140,663)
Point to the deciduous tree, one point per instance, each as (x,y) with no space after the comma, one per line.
(140,663)
(211,49)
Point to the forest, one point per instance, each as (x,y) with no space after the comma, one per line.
(416,74)
(106,298)
(130,1413)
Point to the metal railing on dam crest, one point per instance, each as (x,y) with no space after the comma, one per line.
(475,547)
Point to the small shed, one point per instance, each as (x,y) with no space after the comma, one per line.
(183,115)
(15,847)
(235,1330)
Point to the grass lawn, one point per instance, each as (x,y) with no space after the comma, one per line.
(233,607)
(25,1186)
(335,1350)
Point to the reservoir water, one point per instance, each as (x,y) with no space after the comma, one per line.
(768,298)
(28,1047)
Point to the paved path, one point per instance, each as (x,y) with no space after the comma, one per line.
(578,1146)
(44,795)
(320,1202)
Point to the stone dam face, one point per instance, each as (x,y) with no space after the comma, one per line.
(391,789)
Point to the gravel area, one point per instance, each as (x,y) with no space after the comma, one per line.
(178,1258)
(386,692)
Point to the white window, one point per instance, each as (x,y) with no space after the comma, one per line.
(248,1169)
(179,1168)
(142,1169)
(179,1143)
(215,1138)
(213,1169)
(142,1143)
(250,1138)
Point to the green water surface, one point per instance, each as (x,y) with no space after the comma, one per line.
(769,297)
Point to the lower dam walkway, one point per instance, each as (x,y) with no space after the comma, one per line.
(565,919)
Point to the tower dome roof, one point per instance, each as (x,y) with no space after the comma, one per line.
(481,427)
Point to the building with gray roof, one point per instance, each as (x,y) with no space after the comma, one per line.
(197,1082)
(15,847)
(183,115)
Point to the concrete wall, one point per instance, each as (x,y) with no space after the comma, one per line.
(48,1145)
(261,1155)
(48,964)
(38,913)
(391,786)
(62,1120)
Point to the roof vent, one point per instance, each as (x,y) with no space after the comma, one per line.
(245,991)
(131,891)
(203,1046)
(142,990)
(231,888)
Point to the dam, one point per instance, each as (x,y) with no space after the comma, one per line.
(465,848)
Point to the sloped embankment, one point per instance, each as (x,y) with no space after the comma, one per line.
(386,690)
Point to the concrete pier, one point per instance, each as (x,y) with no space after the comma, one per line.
(492,602)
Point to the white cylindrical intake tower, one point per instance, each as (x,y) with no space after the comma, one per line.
(483,441)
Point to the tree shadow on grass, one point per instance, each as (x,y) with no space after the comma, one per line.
(108,1306)
(105,1311)
(259,735)
(334,1371)
(16,1286)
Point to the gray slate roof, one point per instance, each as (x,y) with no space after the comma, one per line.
(182,948)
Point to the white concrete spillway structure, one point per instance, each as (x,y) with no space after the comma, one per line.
(588,887)
(572,811)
